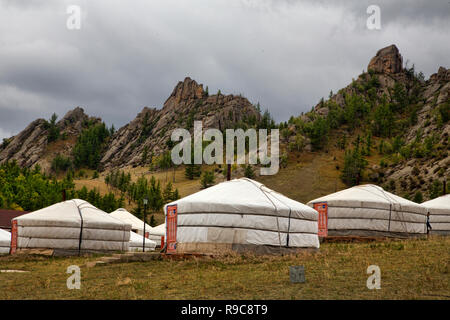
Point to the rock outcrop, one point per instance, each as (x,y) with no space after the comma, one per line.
(31,145)
(150,131)
(426,98)
(387,60)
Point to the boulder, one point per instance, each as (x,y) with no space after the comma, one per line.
(387,60)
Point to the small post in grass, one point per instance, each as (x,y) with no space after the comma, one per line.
(297,274)
(145,213)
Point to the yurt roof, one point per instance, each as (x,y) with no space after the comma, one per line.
(439,205)
(137,240)
(125,216)
(159,230)
(69,213)
(244,196)
(369,195)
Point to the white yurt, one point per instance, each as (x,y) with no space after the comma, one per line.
(368,210)
(157,233)
(137,225)
(439,210)
(242,215)
(72,226)
(5,241)
(137,242)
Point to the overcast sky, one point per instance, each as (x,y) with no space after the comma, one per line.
(130,54)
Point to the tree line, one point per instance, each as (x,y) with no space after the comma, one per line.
(31,189)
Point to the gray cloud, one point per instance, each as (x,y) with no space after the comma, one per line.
(127,55)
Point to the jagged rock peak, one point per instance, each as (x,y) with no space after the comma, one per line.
(187,89)
(443,74)
(74,115)
(387,60)
(74,120)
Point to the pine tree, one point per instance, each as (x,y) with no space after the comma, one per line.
(168,193)
(354,165)
(53,130)
(208,179)
(249,172)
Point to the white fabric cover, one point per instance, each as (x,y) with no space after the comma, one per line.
(439,209)
(136,242)
(137,225)
(5,241)
(59,227)
(243,211)
(157,232)
(370,208)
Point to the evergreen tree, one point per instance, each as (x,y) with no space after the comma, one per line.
(87,151)
(354,165)
(168,193)
(53,130)
(208,179)
(249,172)
(418,197)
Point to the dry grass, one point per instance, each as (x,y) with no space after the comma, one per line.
(307,176)
(410,269)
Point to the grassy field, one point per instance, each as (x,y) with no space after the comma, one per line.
(410,269)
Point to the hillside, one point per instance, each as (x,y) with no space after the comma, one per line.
(41,140)
(150,131)
(390,127)
(136,143)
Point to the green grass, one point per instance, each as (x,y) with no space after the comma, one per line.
(410,269)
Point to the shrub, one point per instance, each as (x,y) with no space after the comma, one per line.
(87,151)
(61,163)
(418,197)
(208,179)
(249,172)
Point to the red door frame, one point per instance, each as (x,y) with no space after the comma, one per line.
(171,229)
(322,209)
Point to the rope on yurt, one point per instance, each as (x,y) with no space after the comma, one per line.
(391,201)
(81,228)
(289,218)
(275,207)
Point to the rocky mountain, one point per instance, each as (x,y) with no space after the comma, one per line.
(397,119)
(33,145)
(148,134)
(404,117)
(150,131)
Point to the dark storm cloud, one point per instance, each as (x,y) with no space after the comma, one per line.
(127,55)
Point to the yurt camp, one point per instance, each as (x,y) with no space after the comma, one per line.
(137,225)
(158,234)
(369,211)
(70,227)
(137,243)
(5,241)
(239,215)
(439,210)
